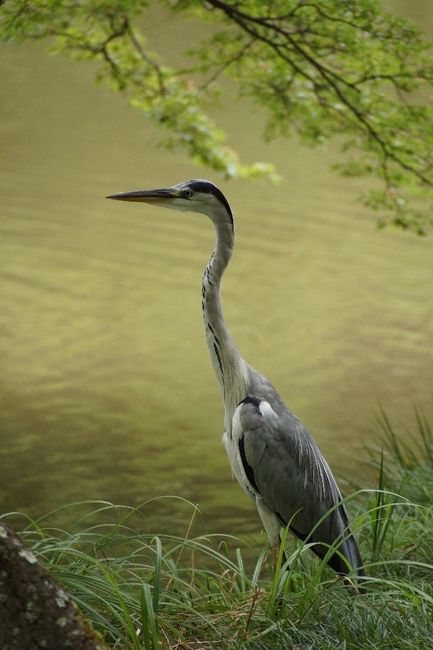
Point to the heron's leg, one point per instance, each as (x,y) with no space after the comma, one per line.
(283,555)
(272,526)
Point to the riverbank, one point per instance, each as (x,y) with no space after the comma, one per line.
(196,592)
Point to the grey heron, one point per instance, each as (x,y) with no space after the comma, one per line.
(272,455)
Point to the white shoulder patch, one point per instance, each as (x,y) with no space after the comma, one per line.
(266,410)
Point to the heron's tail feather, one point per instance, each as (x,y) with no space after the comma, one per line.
(347,557)
(350,551)
(346,560)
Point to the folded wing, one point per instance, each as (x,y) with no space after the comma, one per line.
(284,468)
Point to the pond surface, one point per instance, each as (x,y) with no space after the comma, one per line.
(106,387)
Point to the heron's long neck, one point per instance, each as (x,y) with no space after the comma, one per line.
(229,366)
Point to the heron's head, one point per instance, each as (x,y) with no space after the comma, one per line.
(193,196)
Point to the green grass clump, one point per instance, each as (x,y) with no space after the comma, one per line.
(144,591)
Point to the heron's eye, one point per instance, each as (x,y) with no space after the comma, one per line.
(188,194)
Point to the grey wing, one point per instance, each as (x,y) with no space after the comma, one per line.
(285,467)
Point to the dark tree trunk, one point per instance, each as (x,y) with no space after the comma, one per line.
(35,613)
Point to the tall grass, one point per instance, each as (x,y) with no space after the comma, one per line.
(146,591)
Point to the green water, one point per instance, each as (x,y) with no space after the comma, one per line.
(106,387)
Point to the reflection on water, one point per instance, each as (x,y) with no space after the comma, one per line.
(106,388)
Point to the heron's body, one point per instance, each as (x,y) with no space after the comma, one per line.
(272,455)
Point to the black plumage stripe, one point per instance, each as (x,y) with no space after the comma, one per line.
(217,352)
(247,467)
(249,399)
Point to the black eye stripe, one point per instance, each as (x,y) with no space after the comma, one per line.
(209,188)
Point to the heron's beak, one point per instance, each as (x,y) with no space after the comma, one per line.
(147,196)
